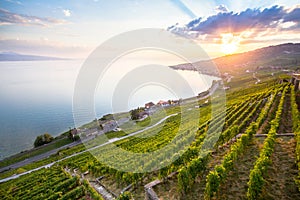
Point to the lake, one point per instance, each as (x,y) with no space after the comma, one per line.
(36,97)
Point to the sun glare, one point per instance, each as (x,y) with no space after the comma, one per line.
(229,43)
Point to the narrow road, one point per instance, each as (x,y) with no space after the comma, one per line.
(37,157)
(50,164)
(257,79)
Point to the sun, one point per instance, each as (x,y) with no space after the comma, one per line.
(229,43)
(229,48)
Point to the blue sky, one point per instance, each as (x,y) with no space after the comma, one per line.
(73,28)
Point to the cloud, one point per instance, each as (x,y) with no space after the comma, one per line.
(292,16)
(14,2)
(67,13)
(254,21)
(221,8)
(7,18)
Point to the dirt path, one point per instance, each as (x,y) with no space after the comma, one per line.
(280,182)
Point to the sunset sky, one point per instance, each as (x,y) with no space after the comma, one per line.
(73,28)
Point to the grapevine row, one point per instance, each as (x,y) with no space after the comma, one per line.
(256,181)
(296,130)
(188,173)
(220,172)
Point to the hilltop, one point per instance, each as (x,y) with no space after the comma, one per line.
(272,57)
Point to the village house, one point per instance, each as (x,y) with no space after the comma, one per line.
(163,103)
(109,126)
(149,105)
(89,132)
(74,132)
(174,102)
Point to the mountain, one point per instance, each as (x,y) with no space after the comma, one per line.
(280,56)
(12,56)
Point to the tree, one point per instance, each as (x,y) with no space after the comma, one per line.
(135,113)
(48,138)
(76,137)
(70,135)
(38,141)
(73,134)
(43,139)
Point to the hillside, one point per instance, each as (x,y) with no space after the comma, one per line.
(280,57)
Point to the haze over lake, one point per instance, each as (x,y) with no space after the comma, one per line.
(36,97)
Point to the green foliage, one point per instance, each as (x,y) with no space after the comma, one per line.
(20,171)
(256,178)
(183,180)
(51,183)
(74,194)
(67,184)
(218,175)
(43,139)
(76,137)
(213,181)
(256,181)
(117,134)
(135,113)
(295,111)
(296,129)
(107,117)
(187,175)
(125,196)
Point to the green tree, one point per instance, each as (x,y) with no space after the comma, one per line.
(70,136)
(47,138)
(38,141)
(135,113)
(43,139)
(76,137)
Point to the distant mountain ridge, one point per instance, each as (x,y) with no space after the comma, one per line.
(12,56)
(278,56)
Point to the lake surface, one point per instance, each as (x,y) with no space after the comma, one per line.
(36,97)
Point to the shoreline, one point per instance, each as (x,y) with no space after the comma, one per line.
(29,150)
(210,90)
